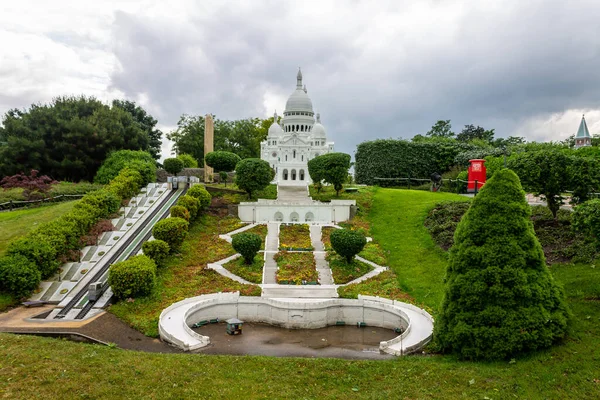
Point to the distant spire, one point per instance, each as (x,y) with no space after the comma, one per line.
(305,89)
(275,116)
(318,118)
(299,79)
(583,131)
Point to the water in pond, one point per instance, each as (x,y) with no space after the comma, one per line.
(332,341)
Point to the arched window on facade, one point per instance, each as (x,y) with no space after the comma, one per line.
(301,128)
(285,174)
(301,174)
(294,153)
(286,157)
(293,174)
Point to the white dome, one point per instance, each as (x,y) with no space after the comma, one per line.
(275,129)
(318,130)
(299,100)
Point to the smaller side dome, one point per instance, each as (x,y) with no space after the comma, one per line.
(318,130)
(275,129)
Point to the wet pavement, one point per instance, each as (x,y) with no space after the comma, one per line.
(347,342)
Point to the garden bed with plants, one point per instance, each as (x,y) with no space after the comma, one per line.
(250,272)
(344,272)
(295,237)
(297,268)
(260,230)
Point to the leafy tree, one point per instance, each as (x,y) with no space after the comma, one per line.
(586,219)
(222,161)
(500,298)
(545,173)
(335,169)
(146,122)
(18,275)
(584,178)
(247,244)
(173,165)
(316,172)
(510,141)
(347,243)
(252,174)
(33,186)
(471,132)
(188,161)
(442,129)
(67,139)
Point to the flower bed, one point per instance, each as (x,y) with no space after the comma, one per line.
(252,273)
(296,268)
(343,272)
(325,233)
(295,237)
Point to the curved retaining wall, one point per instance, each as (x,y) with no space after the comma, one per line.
(175,321)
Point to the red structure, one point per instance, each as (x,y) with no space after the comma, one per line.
(476,173)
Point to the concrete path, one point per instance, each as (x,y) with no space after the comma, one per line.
(300,291)
(293,194)
(271,248)
(378,269)
(218,266)
(325,277)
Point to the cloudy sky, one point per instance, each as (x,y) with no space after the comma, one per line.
(374,69)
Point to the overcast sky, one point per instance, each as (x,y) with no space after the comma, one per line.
(373,69)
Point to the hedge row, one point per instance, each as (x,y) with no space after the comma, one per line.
(389,158)
(51,243)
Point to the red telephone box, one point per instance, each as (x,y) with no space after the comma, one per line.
(476,173)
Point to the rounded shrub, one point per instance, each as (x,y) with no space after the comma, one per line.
(173,165)
(39,252)
(157,250)
(222,160)
(247,244)
(127,184)
(192,204)
(171,230)
(116,161)
(199,192)
(347,243)
(133,277)
(188,161)
(18,275)
(500,299)
(105,201)
(252,174)
(180,212)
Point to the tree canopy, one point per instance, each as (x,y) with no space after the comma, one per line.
(252,174)
(442,129)
(335,169)
(500,298)
(70,137)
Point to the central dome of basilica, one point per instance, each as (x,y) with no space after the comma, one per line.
(299,100)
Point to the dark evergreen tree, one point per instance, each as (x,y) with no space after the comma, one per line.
(500,297)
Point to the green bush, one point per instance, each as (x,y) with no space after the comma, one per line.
(171,230)
(247,244)
(188,161)
(173,165)
(104,200)
(180,212)
(222,160)
(586,218)
(316,172)
(252,174)
(39,252)
(18,275)
(500,298)
(390,158)
(140,161)
(133,277)
(347,243)
(335,169)
(127,184)
(192,204)
(199,192)
(157,250)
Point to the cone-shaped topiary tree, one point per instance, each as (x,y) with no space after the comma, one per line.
(500,297)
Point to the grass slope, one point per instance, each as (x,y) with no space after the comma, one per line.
(14,224)
(397,224)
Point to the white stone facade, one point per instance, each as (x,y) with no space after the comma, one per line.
(295,140)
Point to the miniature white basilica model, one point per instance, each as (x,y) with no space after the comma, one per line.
(298,139)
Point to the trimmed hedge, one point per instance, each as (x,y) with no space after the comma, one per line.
(347,243)
(133,277)
(140,161)
(247,244)
(18,275)
(171,230)
(180,212)
(389,158)
(157,250)
(192,204)
(39,252)
(199,192)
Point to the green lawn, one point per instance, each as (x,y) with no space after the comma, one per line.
(32,367)
(14,224)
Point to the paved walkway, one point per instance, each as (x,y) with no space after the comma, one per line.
(271,248)
(293,194)
(325,277)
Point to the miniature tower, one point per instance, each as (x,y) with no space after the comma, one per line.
(583,138)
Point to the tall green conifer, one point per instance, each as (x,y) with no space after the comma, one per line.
(500,297)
